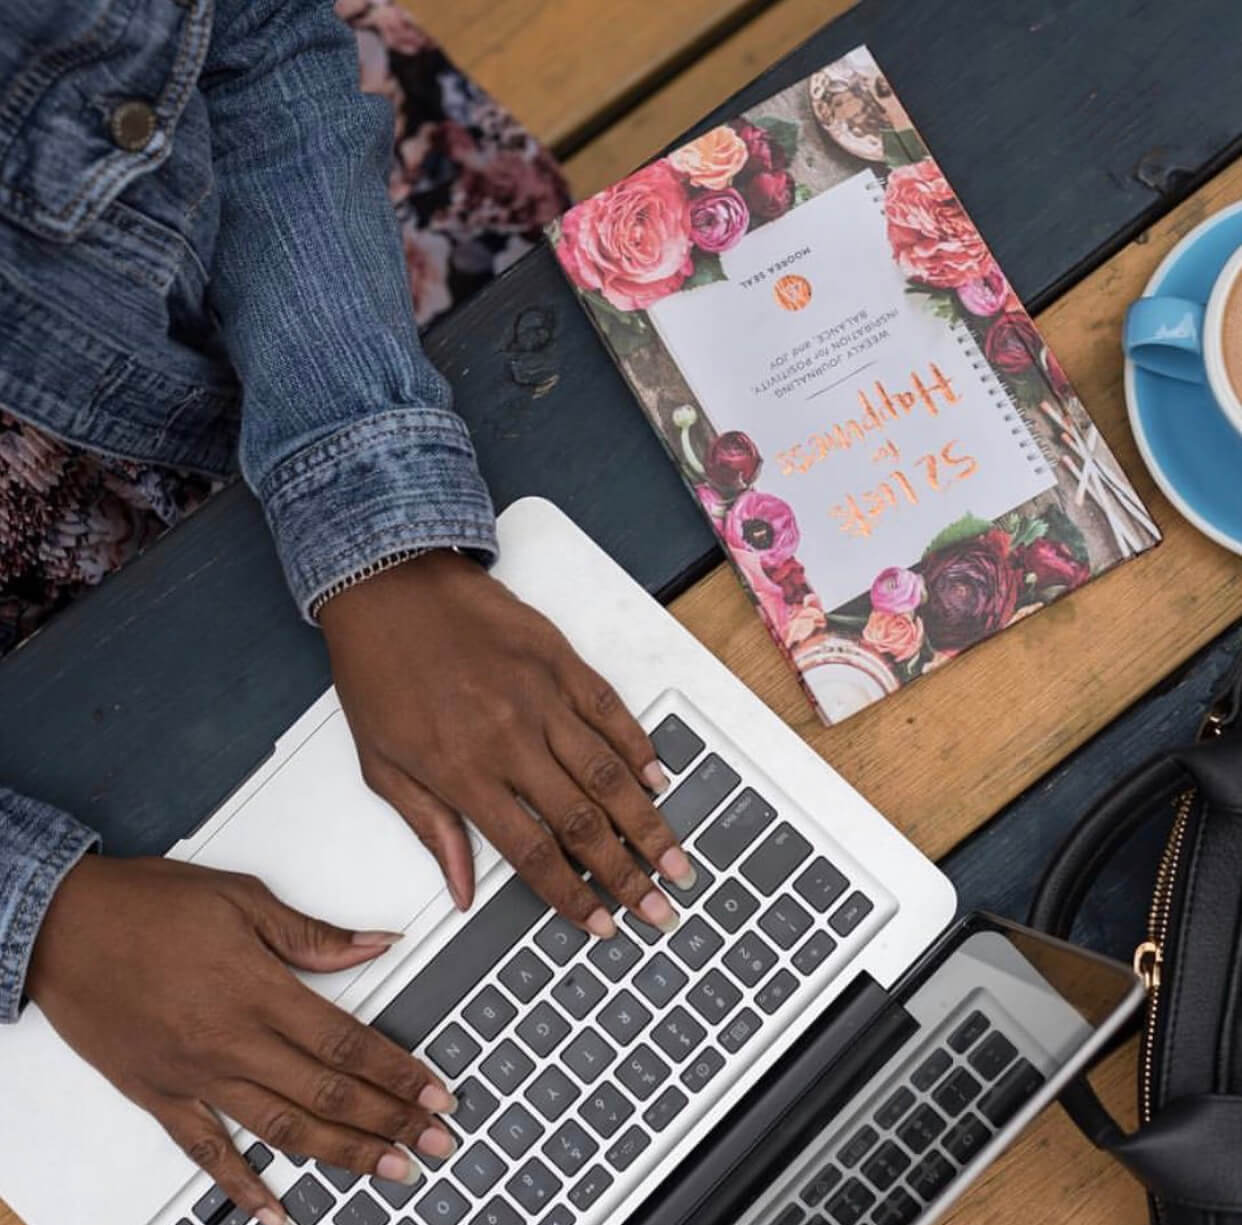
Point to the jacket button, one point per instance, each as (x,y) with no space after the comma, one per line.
(132,124)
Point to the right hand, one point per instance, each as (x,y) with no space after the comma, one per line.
(172,980)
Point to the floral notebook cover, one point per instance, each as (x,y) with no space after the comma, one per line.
(892,457)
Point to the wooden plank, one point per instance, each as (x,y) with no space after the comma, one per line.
(567,67)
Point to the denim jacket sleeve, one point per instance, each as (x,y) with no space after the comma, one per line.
(38,846)
(348,434)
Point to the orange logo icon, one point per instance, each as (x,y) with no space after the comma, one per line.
(792,292)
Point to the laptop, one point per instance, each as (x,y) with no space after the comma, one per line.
(818,1041)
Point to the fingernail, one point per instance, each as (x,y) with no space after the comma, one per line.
(599,923)
(397,1167)
(455,894)
(675,865)
(655,778)
(436,1142)
(376,940)
(269,1216)
(656,910)
(437,1098)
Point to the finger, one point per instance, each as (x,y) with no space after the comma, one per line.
(603,777)
(289,1128)
(438,827)
(202,1137)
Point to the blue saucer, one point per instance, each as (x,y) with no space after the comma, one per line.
(1187,443)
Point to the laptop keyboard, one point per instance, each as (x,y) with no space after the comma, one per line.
(579,1063)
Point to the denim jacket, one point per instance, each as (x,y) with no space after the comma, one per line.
(199,267)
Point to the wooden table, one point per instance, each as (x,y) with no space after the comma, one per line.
(1085,137)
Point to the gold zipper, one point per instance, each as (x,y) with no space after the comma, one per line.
(1149,956)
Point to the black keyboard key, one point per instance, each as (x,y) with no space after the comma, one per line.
(968,1032)
(396,1194)
(361,1209)
(660,980)
(605,1109)
(590,1187)
(965,1138)
(895,1108)
(900,1208)
(453,1050)
(776,991)
(665,1108)
(768,867)
(341,1179)
(731,905)
(578,992)
(702,1068)
(820,1185)
(552,1093)
(920,1129)
(642,1071)
(525,974)
(479,1168)
(560,1215)
(623,1018)
(615,958)
(886,1165)
(931,1070)
(258,1157)
(850,913)
(695,943)
(931,1175)
(736,828)
(703,881)
(819,884)
(677,1034)
(507,1067)
(627,1149)
(689,804)
(442,1205)
(644,931)
(497,1212)
(475,1105)
(785,921)
(455,971)
(847,1206)
(750,959)
(543,1029)
(740,1030)
(713,997)
(791,1214)
(814,953)
(992,1056)
(857,1146)
(215,1203)
(534,1186)
(956,1092)
(560,939)
(308,1201)
(588,1055)
(516,1130)
(570,1147)
(675,744)
(1011,1093)
(488,1013)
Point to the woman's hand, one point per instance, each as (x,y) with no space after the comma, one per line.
(171,980)
(462,699)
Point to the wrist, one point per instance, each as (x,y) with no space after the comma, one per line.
(412,571)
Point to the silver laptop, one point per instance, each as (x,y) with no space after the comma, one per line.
(815,1042)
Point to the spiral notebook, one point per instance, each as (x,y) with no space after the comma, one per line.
(892,457)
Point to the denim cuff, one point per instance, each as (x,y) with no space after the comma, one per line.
(401,479)
(38,846)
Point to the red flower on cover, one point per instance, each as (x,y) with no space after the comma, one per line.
(790,577)
(932,238)
(718,220)
(770,194)
(1012,342)
(733,462)
(972,590)
(764,155)
(1053,564)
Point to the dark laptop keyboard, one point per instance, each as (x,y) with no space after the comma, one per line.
(577,1063)
(926,1126)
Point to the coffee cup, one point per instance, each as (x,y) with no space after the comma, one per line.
(1196,342)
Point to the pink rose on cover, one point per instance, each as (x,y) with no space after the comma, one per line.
(894,634)
(760,523)
(790,577)
(1053,565)
(1012,342)
(932,238)
(897,590)
(986,295)
(770,194)
(776,611)
(764,155)
(732,462)
(713,159)
(718,220)
(632,241)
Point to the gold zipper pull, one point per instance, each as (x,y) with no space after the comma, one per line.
(1148,958)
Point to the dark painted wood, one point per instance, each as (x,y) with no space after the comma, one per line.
(1066,126)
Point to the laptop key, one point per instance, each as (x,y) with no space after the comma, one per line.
(894,1109)
(820,1185)
(713,997)
(931,1176)
(814,953)
(1010,1093)
(361,1209)
(525,975)
(702,792)
(534,1186)
(479,1168)
(750,959)
(578,992)
(675,744)
(992,1056)
(644,931)
(507,1067)
(956,1092)
(552,1093)
(212,1205)
(695,943)
(516,1130)
(965,1138)
(968,1032)
(776,991)
(900,1208)
(587,1056)
(560,939)
(820,884)
(642,1072)
(560,1215)
(857,1146)
(626,1150)
(703,881)
(785,921)
(543,1029)
(746,817)
(475,1105)
(605,1109)
(396,1194)
(931,1070)
(442,1205)
(920,1129)
(777,856)
(341,1179)
(665,1108)
(623,1018)
(847,1206)
(453,1050)
(740,1030)
(677,1034)
(886,1165)
(590,1187)
(615,958)
(702,1068)
(488,1013)
(791,1214)
(659,980)
(570,1147)
(850,913)
(731,905)
(497,1212)
(258,1157)
(308,1201)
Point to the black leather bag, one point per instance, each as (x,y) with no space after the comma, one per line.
(1187,1150)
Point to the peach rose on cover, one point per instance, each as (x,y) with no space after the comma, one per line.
(932,238)
(631,242)
(894,634)
(713,160)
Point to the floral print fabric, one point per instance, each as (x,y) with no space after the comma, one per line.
(471,189)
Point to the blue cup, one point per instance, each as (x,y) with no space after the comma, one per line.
(1165,336)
